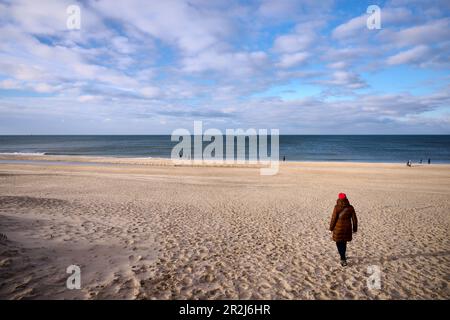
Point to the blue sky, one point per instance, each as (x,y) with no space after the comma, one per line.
(303,67)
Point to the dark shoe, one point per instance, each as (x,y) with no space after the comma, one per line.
(343,263)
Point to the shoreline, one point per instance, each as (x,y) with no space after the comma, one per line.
(11,158)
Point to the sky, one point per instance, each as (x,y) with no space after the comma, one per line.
(150,67)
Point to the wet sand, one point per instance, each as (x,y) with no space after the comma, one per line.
(146,229)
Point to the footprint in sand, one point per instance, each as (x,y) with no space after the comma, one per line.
(3,237)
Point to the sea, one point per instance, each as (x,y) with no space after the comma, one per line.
(347,148)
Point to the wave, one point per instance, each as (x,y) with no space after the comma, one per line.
(23,153)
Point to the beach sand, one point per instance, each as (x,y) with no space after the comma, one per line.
(146,229)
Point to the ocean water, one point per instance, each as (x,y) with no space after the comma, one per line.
(356,148)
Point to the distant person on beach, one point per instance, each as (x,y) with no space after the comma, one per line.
(408,163)
(429,161)
(343,222)
(284,158)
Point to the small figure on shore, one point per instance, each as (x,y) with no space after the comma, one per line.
(284,158)
(429,161)
(408,163)
(343,222)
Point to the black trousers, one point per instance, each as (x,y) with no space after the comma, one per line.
(342,247)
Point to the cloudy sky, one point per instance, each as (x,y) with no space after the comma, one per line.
(149,67)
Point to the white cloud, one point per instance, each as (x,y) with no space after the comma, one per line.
(234,63)
(47,17)
(413,55)
(293,42)
(350,28)
(9,84)
(356,28)
(345,79)
(294,59)
(189,27)
(150,92)
(122,45)
(89,98)
(432,32)
(338,65)
(44,87)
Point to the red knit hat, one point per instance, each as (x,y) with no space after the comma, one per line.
(342,196)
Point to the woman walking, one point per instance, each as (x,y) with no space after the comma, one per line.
(343,222)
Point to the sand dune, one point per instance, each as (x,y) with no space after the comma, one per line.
(148,230)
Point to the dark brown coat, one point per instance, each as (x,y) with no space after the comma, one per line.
(343,221)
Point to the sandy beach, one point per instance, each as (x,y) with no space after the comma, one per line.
(146,229)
